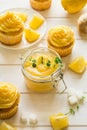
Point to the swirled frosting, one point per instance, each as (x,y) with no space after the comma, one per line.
(8,95)
(10,23)
(61,36)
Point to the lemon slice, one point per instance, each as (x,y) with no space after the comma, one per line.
(23,16)
(78,65)
(5,126)
(59,121)
(36,22)
(31,35)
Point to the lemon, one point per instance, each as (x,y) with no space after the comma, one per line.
(78,65)
(23,16)
(31,35)
(36,22)
(73,6)
(59,121)
(5,126)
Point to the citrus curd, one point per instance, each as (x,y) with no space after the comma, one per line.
(39,68)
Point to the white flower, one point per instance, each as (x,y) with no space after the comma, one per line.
(33,119)
(24,118)
(73,100)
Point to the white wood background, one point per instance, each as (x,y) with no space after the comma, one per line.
(43,105)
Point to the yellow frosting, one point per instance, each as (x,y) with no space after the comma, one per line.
(45,64)
(8,95)
(61,36)
(10,23)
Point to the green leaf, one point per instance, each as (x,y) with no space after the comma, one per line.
(48,63)
(34,61)
(58,60)
(34,65)
(77,107)
(72,111)
(42,59)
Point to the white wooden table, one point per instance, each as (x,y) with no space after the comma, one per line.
(43,105)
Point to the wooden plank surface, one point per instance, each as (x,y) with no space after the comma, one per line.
(43,105)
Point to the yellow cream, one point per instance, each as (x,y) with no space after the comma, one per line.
(61,36)
(10,23)
(8,95)
(39,67)
(41,64)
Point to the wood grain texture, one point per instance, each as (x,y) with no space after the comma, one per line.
(43,105)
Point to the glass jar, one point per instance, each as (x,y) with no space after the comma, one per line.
(40,4)
(48,78)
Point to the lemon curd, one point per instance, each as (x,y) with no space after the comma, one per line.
(38,66)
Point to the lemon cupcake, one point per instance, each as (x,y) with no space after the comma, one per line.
(11,28)
(82,25)
(9,100)
(61,39)
(40,4)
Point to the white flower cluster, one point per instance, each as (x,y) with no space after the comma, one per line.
(31,118)
(75,96)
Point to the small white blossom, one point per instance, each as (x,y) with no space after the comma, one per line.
(33,119)
(24,118)
(73,100)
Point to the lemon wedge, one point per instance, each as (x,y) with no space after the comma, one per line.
(59,121)
(5,126)
(78,65)
(31,35)
(23,16)
(36,22)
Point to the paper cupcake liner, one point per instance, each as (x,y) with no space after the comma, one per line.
(10,39)
(40,5)
(62,51)
(11,112)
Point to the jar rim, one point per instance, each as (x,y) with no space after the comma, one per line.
(39,78)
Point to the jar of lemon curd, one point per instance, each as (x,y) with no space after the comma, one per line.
(42,70)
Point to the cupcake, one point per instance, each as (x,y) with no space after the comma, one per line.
(40,4)
(11,28)
(82,25)
(9,100)
(61,39)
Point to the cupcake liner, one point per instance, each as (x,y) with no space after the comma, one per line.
(10,112)
(40,5)
(10,39)
(62,51)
